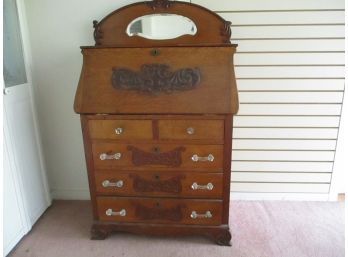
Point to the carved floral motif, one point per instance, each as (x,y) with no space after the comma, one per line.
(171,158)
(158,213)
(155,79)
(172,185)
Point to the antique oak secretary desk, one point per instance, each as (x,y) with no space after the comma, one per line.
(156,119)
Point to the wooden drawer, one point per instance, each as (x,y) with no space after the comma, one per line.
(152,210)
(120,129)
(157,156)
(191,129)
(169,184)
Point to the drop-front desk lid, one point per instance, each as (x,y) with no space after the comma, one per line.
(157,80)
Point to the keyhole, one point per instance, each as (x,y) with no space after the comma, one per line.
(155,52)
(156,149)
(157,204)
(157,177)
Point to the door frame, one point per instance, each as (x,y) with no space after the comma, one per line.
(24,33)
(24,30)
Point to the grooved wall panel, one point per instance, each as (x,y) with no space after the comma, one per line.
(283,155)
(290,97)
(281,187)
(289,45)
(290,77)
(290,85)
(251,59)
(284,144)
(290,109)
(290,133)
(275,5)
(284,166)
(288,31)
(290,72)
(282,177)
(284,17)
(282,121)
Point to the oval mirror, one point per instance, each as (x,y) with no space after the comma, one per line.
(161,26)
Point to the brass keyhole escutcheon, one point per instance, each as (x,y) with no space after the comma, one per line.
(155,52)
(156,149)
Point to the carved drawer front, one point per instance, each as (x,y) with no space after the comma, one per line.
(158,156)
(160,210)
(148,183)
(192,129)
(120,129)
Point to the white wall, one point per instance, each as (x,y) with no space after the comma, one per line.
(290,77)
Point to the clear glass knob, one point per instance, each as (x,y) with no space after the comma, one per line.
(119,131)
(190,131)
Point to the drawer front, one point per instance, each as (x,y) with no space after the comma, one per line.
(157,156)
(120,129)
(152,210)
(191,129)
(173,184)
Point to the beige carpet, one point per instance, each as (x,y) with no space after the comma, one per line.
(259,229)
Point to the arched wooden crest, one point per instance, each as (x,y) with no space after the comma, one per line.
(211,28)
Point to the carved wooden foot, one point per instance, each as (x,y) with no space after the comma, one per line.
(223,237)
(99,233)
(219,234)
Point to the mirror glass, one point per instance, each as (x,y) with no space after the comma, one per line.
(161,26)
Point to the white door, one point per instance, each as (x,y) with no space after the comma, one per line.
(16,222)
(26,194)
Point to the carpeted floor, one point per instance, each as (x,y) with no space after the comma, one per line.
(259,229)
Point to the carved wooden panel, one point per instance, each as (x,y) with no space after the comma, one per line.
(158,213)
(172,185)
(171,158)
(155,79)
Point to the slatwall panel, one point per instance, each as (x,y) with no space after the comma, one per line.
(290,76)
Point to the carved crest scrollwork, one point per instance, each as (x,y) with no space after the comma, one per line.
(159,4)
(155,79)
(226,31)
(97,34)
